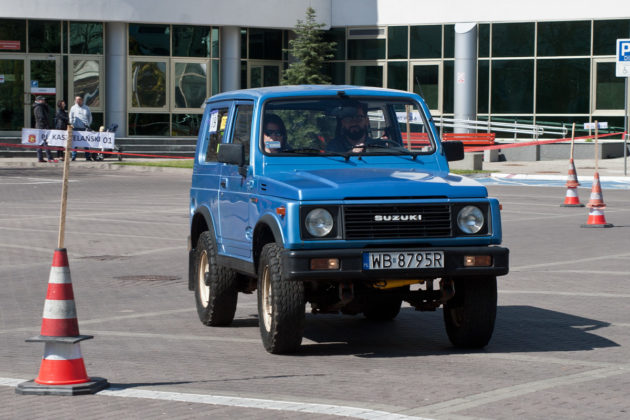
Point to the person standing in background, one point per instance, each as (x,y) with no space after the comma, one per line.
(61,121)
(41,113)
(80,119)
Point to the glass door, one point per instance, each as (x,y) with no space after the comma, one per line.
(426,80)
(44,75)
(12,96)
(366,74)
(260,74)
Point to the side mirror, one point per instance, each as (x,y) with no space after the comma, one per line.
(453,150)
(232,153)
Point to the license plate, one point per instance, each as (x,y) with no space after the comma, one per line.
(403,260)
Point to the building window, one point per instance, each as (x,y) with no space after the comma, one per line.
(513,39)
(86,82)
(608,87)
(397,75)
(606,33)
(338,36)
(190,81)
(366,49)
(148,84)
(44,36)
(512,86)
(265,44)
(426,41)
(149,40)
(483,31)
(185,125)
(483,85)
(86,38)
(191,41)
(562,86)
(553,38)
(14,31)
(148,124)
(397,42)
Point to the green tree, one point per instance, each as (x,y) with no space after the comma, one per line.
(310,51)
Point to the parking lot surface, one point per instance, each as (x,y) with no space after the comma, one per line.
(561,346)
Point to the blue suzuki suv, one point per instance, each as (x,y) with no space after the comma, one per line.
(339,197)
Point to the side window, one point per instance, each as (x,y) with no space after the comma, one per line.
(243,128)
(216,128)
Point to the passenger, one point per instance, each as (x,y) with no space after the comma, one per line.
(274,134)
(352,129)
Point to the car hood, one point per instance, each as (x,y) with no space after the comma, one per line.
(368,183)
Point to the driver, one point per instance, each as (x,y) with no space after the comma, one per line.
(352,129)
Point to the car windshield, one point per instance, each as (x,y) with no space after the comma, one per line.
(344,126)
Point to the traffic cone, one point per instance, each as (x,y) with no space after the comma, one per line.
(571,198)
(596,206)
(572,180)
(62,371)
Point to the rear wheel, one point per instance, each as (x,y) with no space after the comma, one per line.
(216,290)
(280,304)
(469,316)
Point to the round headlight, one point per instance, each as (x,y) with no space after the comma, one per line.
(319,222)
(470,219)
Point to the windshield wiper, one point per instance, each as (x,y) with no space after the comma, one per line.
(398,150)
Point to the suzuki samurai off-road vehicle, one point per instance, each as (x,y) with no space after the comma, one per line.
(340,197)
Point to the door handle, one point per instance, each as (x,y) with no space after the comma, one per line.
(223,182)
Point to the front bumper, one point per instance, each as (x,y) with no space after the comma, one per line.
(296,264)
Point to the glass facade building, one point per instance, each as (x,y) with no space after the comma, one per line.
(540,72)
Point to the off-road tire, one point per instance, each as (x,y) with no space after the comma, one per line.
(469,316)
(383,305)
(280,304)
(216,290)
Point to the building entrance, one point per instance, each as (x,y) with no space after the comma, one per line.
(22,79)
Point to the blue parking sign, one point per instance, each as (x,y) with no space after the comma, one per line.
(623,58)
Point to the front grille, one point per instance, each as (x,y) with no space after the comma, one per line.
(359,222)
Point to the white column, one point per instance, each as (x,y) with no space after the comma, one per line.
(116,76)
(230,58)
(465,91)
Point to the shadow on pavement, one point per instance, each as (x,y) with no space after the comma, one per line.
(517,329)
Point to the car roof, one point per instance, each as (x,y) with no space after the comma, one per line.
(307,90)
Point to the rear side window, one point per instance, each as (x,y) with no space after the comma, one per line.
(216,129)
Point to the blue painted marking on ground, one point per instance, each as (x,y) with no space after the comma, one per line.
(606,185)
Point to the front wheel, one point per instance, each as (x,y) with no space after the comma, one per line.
(216,290)
(280,304)
(469,316)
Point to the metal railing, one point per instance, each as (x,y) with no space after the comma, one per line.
(535,130)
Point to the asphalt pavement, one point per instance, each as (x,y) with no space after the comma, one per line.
(560,347)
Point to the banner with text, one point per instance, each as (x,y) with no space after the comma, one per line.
(92,139)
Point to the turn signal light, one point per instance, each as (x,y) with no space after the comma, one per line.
(477,261)
(325,264)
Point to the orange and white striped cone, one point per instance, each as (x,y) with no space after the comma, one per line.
(572,180)
(62,371)
(596,218)
(571,198)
